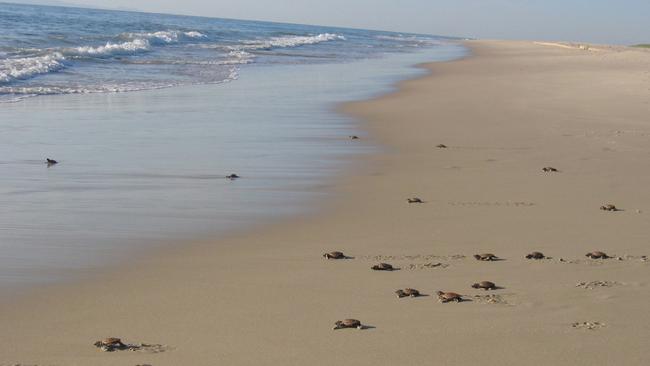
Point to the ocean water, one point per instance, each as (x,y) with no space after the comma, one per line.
(55,50)
(148,113)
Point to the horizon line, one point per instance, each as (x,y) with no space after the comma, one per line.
(80,6)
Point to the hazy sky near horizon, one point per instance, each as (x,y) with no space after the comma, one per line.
(599,21)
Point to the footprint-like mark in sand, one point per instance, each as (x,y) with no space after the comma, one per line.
(494,299)
(418,261)
(589,262)
(608,134)
(588,325)
(612,259)
(491,204)
(115,347)
(153,348)
(497,148)
(421,266)
(591,285)
(642,258)
(416,257)
(544,260)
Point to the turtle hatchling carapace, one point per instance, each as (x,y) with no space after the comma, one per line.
(335,255)
(348,323)
(597,255)
(485,257)
(485,285)
(407,292)
(382,267)
(535,255)
(448,297)
(110,344)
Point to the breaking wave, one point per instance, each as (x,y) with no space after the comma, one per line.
(290,41)
(51,60)
(110,49)
(169,36)
(11,94)
(112,59)
(12,69)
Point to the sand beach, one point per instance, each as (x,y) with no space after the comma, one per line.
(268,297)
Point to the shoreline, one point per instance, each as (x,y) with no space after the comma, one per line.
(148,194)
(268,297)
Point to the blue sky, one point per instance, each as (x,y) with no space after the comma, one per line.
(599,21)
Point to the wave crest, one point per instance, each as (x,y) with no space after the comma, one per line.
(194,34)
(137,42)
(291,41)
(111,48)
(23,68)
(168,36)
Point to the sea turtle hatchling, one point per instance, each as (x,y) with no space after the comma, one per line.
(335,255)
(485,285)
(414,200)
(549,169)
(597,255)
(50,162)
(609,207)
(110,344)
(382,267)
(441,146)
(485,257)
(448,296)
(535,255)
(233,176)
(407,292)
(348,323)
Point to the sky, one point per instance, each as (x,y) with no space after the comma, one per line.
(595,21)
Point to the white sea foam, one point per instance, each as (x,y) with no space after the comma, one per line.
(168,36)
(239,55)
(290,41)
(134,46)
(137,42)
(23,68)
(232,58)
(238,58)
(411,40)
(164,36)
(194,34)
(11,94)
(398,37)
(16,94)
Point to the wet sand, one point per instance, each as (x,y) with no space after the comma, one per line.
(268,297)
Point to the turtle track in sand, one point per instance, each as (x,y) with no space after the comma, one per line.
(591,285)
(588,325)
(611,260)
(415,257)
(493,299)
(491,203)
(417,262)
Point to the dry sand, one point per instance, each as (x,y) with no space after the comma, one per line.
(268,297)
